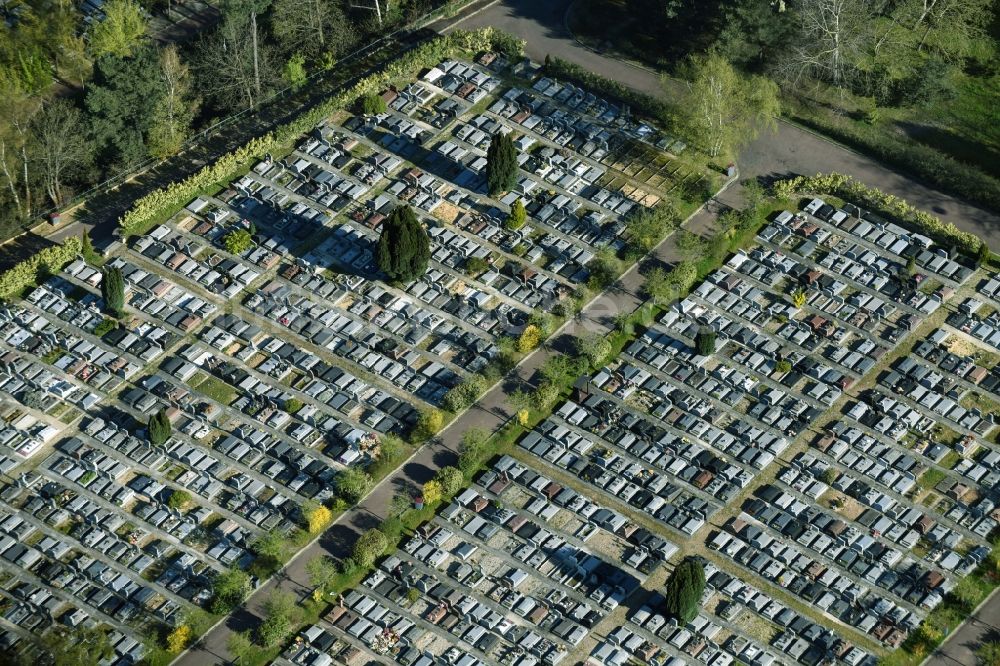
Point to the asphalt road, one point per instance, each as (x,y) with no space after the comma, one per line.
(790,150)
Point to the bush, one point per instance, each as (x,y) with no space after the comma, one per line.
(237,241)
(476,265)
(529,339)
(47,261)
(105,327)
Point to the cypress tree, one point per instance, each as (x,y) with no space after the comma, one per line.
(404,248)
(113,290)
(159,428)
(501,164)
(683,590)
(704,341)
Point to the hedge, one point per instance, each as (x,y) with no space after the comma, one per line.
(646,104)
(49,260)
(853,190)
(165,201)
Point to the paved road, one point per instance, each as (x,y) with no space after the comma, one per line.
(792,150)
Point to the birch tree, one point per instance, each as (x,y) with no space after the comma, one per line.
(174,113)
(16,110)
(832,38)
(722,109)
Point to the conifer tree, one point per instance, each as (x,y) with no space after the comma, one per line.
(113,290)
(683,590)
(403,248)
(159,428)
(501,164)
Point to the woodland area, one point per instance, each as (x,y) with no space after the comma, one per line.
(84,100)
(913,82)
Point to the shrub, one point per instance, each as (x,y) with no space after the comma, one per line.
(105,327)
(373,104)
(476,265)
(529,339)
(237,241)
(178,639)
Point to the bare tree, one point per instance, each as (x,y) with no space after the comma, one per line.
(311,27)
(16,110)
(233,66)
(59,145)
(832,36)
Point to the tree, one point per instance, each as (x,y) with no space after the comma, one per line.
(684,589)
(121,104)
(280,614)
(473,450)
(594,347)
(179,499)
(521,402)
(399,504)
(159,428)
(783,366)
(373,104)
(432,491)
(242,648)
(370,546)
(658,286)
(646,228)
(234,67)
(17,107)
(121,31)
(237,241)
(451,479)
(390,448)
(178,639)
(830,473)
(501,164)
(431,421)
(230,588)
(476,265)
(724,109)
(316,516)
(60,148)
(546,395)
(270,545)
(704,340)
(799,298)
(314,28)
(353,484)
(403,247)
(322,572)
(172,117)
(294,72)
(113,290)
(517,217)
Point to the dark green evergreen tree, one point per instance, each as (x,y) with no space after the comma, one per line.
(704,340)
(113,290)
(159,428)
(684,588)
(501,164)
(404,248)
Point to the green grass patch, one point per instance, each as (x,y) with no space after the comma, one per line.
(214,388)
(930,478)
